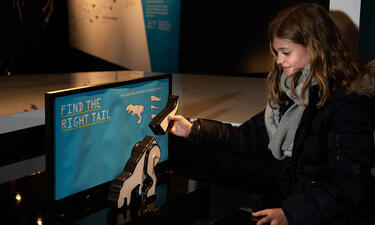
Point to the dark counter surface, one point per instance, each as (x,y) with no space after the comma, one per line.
(178,200)
(197,187)
(26,203)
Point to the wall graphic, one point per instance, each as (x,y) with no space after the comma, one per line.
(162,19)
(137,34)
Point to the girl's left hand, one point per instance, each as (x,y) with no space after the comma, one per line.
(273,216)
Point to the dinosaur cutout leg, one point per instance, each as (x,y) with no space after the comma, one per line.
(139,171)
(152,159)
(130,183)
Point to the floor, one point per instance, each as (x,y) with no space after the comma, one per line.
(225,98)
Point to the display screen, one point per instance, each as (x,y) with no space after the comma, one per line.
(95,129)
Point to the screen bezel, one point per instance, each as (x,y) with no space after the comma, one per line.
(99,191)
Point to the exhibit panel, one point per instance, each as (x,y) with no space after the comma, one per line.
(91,131)
(137,34)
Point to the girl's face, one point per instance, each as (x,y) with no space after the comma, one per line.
(291,57)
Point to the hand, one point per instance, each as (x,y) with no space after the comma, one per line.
(181,126)
(272,216)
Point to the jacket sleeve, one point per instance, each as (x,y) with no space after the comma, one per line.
(350,157)
(251,136)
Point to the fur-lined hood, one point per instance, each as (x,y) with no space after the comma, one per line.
(365,85)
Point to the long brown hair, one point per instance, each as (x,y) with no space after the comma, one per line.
(331,64)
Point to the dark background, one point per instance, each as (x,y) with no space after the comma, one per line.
(228,37)
(29,45)
(215,37)
(367,31)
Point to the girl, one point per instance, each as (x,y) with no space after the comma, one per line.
(321,133)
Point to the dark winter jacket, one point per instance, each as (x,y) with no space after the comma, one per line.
(327,180)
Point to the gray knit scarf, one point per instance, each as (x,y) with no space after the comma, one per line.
(281,132)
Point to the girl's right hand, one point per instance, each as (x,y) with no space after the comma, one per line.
(180,127)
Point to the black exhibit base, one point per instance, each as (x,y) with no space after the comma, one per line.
(177,200)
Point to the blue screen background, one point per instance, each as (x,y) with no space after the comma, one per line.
(95,133)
